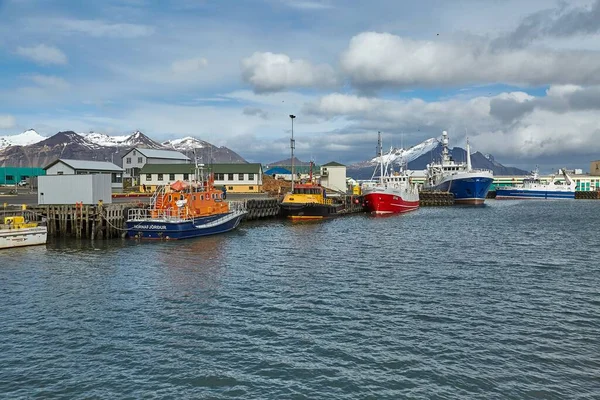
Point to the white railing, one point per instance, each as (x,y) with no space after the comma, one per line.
(145,214)
(160,191)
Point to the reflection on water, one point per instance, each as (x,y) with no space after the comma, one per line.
(497,302)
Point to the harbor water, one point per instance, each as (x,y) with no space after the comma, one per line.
(493,302)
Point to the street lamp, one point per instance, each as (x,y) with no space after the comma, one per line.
(292,147)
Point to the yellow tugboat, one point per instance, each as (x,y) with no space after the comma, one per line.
(18,232)
(308,201)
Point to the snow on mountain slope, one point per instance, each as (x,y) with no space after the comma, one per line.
(102,139)
(402,156)
(186,143)
(22,139)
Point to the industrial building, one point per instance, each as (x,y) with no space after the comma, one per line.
(235,178)
(14,175)
(83,167)
(333,177)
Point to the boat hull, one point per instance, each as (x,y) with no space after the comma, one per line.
(388,203)
(468,190)
(308,210)
(510,194)
(184,229)
(10,238)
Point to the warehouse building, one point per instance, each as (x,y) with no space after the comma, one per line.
(83,167)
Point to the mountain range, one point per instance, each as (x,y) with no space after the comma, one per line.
(30,149)
(417,157)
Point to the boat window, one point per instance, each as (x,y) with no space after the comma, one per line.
(202,197)
(181,197)
(170,199)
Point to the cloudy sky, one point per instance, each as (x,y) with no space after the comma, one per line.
(520,78)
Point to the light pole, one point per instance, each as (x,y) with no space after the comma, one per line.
(292,147)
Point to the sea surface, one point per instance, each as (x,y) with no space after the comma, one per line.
(493,302)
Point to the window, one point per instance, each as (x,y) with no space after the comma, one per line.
(160,177)
(10,178)
(128,160)
(229,177)
(140,160)
(59,173)
(250,187)
(219,177)
(230,188)
(148,177)
(250,177)
(241,177)
(171,177)
(186,177)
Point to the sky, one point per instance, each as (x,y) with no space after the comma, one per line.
(519,78)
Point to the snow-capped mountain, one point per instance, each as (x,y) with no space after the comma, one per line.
(402,156)
(417,157)
(26,138)
(187,143)
(137,138)
(32,149)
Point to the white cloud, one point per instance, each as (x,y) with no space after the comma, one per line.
(99,28)
(270,72)
(49,82)
(7,121)
(189,66)
(375,60)
(525,126)
(43,54)
(308,5)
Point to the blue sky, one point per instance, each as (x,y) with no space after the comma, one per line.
(521,78)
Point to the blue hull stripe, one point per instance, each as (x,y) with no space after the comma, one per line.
(468,188)
(203,226)
(533,194)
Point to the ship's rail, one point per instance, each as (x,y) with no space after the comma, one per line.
(167,215)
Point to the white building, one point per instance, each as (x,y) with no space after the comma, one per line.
(83,167)
(333,176)
(135,159)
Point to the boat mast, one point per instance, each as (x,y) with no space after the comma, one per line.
(380,153)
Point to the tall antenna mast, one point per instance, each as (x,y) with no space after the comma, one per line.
(292,147)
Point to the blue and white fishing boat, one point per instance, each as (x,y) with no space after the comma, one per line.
(560,186)
(469,185)
(185,210)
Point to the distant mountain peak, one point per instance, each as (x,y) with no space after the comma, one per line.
(30,136)
(186,143)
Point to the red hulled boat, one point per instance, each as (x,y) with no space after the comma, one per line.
(394,193)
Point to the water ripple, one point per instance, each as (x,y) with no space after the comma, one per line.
(498,302)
